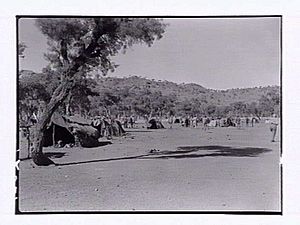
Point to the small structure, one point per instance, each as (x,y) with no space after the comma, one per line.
(212,123)
(108,128)
(177,120)
(155,124)
(76,131)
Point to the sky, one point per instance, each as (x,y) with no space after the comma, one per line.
(217,53)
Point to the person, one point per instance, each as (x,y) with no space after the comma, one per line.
(187,121)
(109,128)
(247,121)
(146,118)
(273,126)
(218,122)
(206,122)
(170,121)
(125,122)
(195,122)
(253,121)
(33,119)
(131,121)
(238,122)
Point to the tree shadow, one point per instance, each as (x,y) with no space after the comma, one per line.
(102,160)
(139,131)
(184,152)
(96,143)
(216,150)
(103,143)
(55,155)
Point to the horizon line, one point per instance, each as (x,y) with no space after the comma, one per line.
(178,83)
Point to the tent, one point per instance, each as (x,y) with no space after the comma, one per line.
(212,123)
(230,123)
(155,124)
(105,128)
(117,129)
(58,130)
(223,122)
(69,130)
(177,120)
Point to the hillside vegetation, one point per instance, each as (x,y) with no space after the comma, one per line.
(189,91)
(138,95)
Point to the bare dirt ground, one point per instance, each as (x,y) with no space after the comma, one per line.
(226,169)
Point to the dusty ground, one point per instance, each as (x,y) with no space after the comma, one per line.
(190,169)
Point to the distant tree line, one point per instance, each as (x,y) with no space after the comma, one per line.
(91,97)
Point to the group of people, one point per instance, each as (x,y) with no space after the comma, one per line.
(274,123)
(128,121)
(237,121)
(194,121)
(108,126)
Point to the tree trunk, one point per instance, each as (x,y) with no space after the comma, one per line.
(62,91)
(57,99)
(28,141)
(53,135)
(68,101)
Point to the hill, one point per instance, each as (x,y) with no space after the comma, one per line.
(142,96)
(188,91)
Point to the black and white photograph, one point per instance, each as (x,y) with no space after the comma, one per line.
(149,114)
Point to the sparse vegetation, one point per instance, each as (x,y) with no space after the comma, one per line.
(144,96)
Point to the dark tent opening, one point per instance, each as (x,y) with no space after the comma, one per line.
(154,124)
(230,123)
(57,133)
(177,120)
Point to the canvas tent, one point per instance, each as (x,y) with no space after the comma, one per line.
(69,130)
(155,124)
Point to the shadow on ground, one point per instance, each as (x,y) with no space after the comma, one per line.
(185,152)
(139,131)
(55,154)
(211,151)
(102,160)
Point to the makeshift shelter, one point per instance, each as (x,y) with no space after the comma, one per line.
(117,129)
(177,120)
(58,130)
(64,130)
(108,128)
(230,123)
(223,122)
(212,123)
(155,124)
(255,119)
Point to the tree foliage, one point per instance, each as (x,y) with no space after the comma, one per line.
(95,40)
(134,95)
(21,49)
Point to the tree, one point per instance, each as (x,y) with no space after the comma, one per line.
(210,110)
(239,107)
(78,46)
(269,103)
(32,93)
(78,100)
(223,111)
(253,109)
(21,49)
